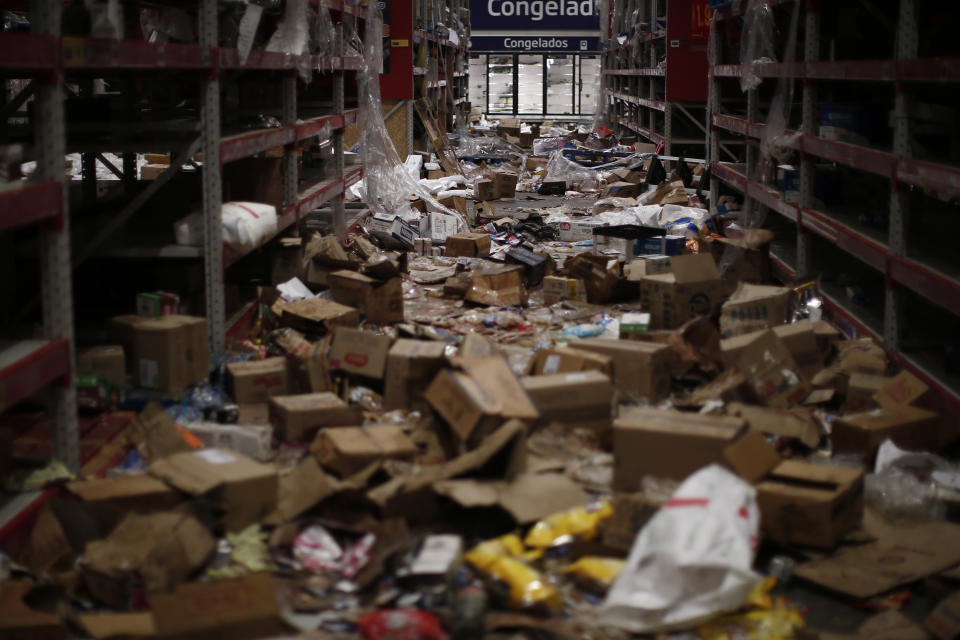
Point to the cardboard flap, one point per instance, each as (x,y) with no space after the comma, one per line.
(752,456)
(103,626)
(197,472)
(117,487)
(694,267)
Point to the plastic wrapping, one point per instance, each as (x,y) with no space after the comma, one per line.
(758,42)
(106,18)
(247,224)
(293,36)
(166,24)
(387,186)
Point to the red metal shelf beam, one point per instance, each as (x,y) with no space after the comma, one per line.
(28,51)
(732,11)
(934,285)
(38,365)
(942,180)
(931,70)
(30,203)
(243,145)
(658,105)
(643,71)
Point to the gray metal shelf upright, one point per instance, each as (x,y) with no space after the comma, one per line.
(904,282)
(28,366)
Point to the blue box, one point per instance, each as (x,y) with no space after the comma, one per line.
(662,246)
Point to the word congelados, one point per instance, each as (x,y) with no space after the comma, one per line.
(538,9)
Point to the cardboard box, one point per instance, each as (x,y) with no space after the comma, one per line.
(647,266)
(691,289)
(360,352)
(117,495)
(498,287)
(167,353)
(630,513)
(107,361)
(437,226)
(579,230)
(256,380)
(162,549)
(796,423)
(484,190)
(411,364)
(622,190)
(468,245)
(751,456)
(909,427)
(157,158)
(633,324)
(19,621)
(583,399)
(455,203)
(393,231)
(667,444)
(463,405)
(752,261)
(241,609)
(315,315)
(347,450)
(810,505)
(802,341)
(640,369)
(381,302)
(244,489)
(600,276)
(906,389)
(156,304)
(557,288)
(861,389)
(151,171)
(753,307)
(298,417)
(772,372)
(564,359)
(286,260)
(505,185)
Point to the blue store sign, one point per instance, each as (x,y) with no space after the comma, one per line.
(530,43)
(533,15)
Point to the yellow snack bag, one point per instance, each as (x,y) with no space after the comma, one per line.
(601,571)
(581,522)
(503,559)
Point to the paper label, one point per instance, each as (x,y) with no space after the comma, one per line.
(551,364)
(149,373)
(215,456)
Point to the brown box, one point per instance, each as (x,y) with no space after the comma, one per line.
(861,389)
(563,359)
(505,185)
(803,342)
(583,399)
(107,361)
(640,369)
(622,190)
(772,374)
(315,315)
(124,493)
(286,260)
(753,307)
(600,276)
(256,380)
(557,288)
(691,289)
(483,190)
(347,450)
(381,302)
(909,427)
(906,389)
(667,444)
(360,352)
(158,550)
(411,364)
(167,353)
(244,489)
(468,245)
(752,261)
(157,158)
(151,171)
(455,203)
(298,417)
(463,405)
(808,504)
(501,286)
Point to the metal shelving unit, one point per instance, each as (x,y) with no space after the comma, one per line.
(914,184)
(654,73)
(56,64)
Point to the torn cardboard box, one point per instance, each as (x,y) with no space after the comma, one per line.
(753,307)
(167,353)
(315,315)
(575,400)
(499,287)
(557,288)
(298,417)
(244,489)
(527,498)
(810,505)
(796,423)
(564,359)
(600,276)
(347,450)
(771,372)
(161,548)
(468,245)
(411,364)
(380,302)
(909,427)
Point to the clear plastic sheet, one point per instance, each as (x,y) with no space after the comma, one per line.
(758,43)
(901,495)
(323,40)
(387,184)
(559,167)
(106,18)
(166,24)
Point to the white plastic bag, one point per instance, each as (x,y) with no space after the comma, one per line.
(692,560)
(189,230)
(247,224)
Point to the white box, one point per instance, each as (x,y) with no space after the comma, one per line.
(579,230)
(252,440)
(440,225)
